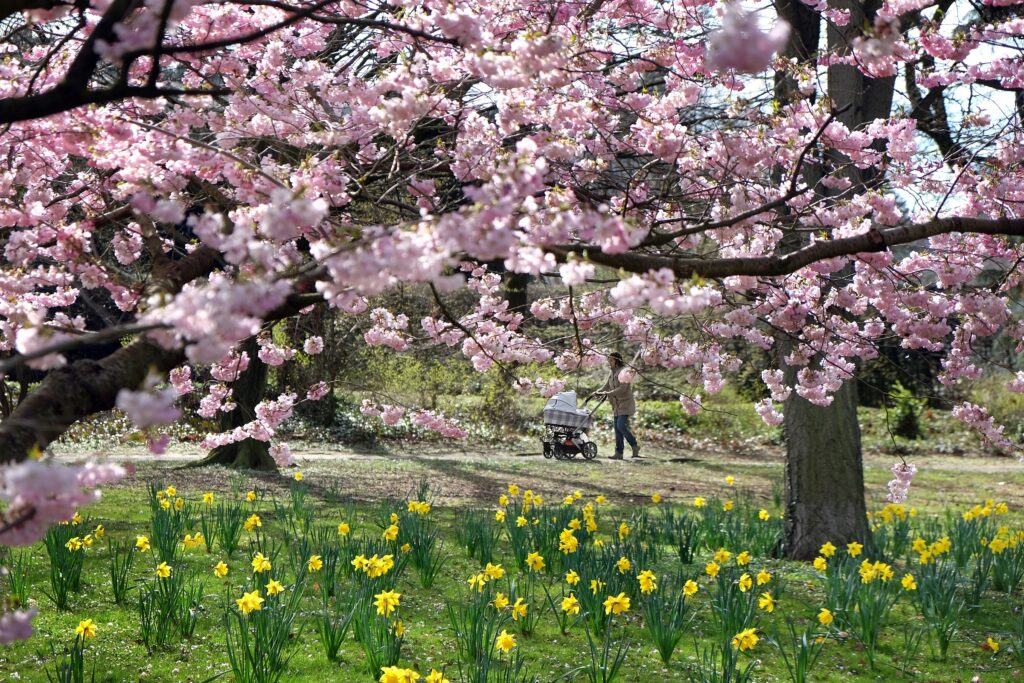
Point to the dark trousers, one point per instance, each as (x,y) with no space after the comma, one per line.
(622,432)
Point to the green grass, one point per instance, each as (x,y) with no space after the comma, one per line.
(361,482)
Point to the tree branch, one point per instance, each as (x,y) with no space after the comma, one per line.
(773,266)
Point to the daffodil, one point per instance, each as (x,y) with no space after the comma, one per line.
(745,640)
(712,569)
(766,602)
(386,602)
(208,498)
(250,496)
(690,588)
(623,565)
(500,601)
(519,609)
(827,550)
(820,564)
(505,641)
(745,582)
(253,522)
(344,529)
(274,587)
(391,533)
(616,604)
(436,676)
(764,515)
(853,549)
(260,564)
(250,602)
(86,628)
(571,577)
(221,570)
(494,571)
(163,570)
(477,581)
(825,617)
(743,559)
(298,476)
(315,563)
(141,544)
(571,605)
(656,498)
(908,582)
(647,581)
(763,577)
(535,562)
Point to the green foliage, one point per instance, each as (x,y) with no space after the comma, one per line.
(257,642)
(121,557)
(17,565)
(64,548)
(906,412)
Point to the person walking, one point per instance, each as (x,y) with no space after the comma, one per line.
(620,395)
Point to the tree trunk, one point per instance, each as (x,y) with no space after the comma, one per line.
(246,392)
(824,474)
(516,288)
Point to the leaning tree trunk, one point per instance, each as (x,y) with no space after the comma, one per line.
(246,392)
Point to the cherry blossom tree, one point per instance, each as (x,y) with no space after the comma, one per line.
(809,178)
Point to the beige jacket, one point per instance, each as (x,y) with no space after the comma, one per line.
(620,395)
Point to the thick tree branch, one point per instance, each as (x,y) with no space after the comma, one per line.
(85,387)
(783,264)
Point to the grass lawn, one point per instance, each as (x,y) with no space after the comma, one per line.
(364,489)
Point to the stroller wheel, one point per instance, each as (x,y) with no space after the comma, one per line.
(547,449)
(589,450)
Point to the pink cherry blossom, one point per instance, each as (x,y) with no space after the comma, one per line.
(313,345)
(149,406)
(741,45)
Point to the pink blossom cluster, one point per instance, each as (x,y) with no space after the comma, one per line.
(313,346)
(387,330)
(16,625)
(979,418)
(274,354)
(741,45)
(317,391)
(149,406)
(37,494)
(282,455)
(899,486)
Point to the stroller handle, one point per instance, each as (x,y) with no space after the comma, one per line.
(597,405)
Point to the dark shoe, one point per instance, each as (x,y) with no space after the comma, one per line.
(617,456)
(636,451)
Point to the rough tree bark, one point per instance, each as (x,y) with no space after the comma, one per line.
(246,392)
(824,472)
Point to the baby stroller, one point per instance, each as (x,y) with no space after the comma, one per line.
(565,427)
